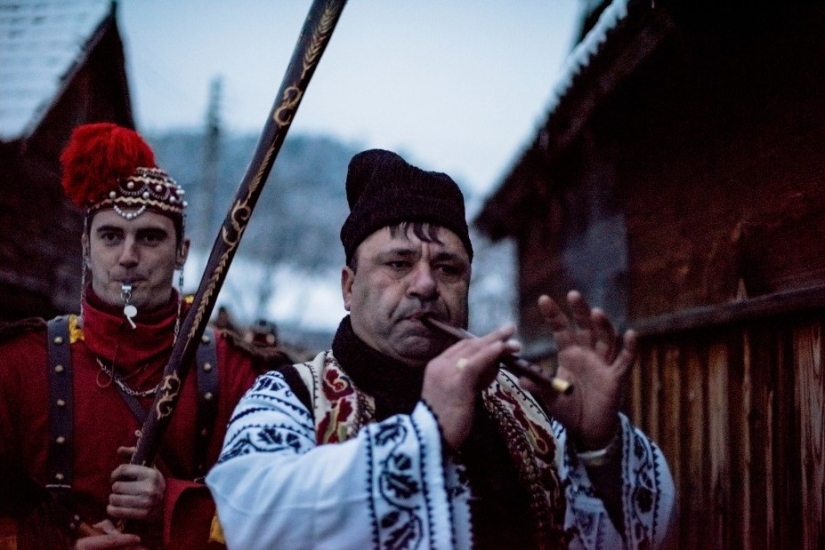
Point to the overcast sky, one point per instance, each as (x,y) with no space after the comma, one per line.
(457,86)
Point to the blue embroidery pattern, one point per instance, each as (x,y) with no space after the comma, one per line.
(400,525)
(641,470)
(257,438)
(641,503)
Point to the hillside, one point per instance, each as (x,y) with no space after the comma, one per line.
(300,210)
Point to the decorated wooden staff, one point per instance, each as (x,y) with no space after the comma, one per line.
(320,22)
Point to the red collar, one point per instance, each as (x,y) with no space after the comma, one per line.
(110,337)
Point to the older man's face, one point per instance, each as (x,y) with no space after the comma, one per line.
(397,280)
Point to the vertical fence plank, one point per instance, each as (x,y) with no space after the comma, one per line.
(785,432)
(810,404)
(695,514)
(737,399)
(770,443)
(718,444)
(671,421)
(759,346)
(653,415)
(742,461)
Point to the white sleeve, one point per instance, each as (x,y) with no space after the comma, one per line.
(274,487)
(648,496)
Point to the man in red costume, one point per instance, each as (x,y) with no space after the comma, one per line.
(74,391)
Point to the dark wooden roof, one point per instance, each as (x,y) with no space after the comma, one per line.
(42,46)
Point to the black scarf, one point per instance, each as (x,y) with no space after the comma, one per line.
(396,387)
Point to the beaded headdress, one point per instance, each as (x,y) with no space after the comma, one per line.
(108,166)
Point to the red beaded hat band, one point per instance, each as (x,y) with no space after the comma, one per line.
(108,166)
(147,188)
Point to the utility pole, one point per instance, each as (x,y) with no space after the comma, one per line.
(207,225)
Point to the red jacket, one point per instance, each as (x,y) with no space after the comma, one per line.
(103,421)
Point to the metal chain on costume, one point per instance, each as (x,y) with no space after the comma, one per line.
(180,303)
(122,385)
(84,264)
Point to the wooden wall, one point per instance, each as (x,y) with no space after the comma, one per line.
(40,253)
(737,403)
(717,145)
(712,150)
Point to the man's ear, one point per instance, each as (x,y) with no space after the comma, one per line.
(347,278)
(183,253)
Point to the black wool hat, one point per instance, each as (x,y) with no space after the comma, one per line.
(384,190)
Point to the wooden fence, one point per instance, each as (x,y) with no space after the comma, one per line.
(735,396)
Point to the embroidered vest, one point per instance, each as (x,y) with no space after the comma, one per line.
(340,411)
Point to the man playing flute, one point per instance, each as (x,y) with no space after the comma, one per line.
(400,437)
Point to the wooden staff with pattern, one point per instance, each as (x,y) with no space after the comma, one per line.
(315,35)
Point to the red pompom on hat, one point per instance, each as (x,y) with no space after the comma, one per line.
(106,165)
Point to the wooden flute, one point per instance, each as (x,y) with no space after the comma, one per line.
(514,363)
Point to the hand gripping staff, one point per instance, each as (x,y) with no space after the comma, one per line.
(317,30)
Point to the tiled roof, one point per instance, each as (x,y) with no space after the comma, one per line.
(41,41)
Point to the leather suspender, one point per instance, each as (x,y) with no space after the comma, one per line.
(60,456)
(61,426)
(207,377)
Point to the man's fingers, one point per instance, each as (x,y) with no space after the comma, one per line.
(128,512)
(111,539)
(126,452)
(141,505)
(107,527)
(131,499)
(559,322)
(132,487)
(135,472)
(469,346)
(452,380)
(122,512)
(137,505)
(479,362)
(582,316)
(502,333)
(628,353)
(108,542)
(137,492)
(604,335)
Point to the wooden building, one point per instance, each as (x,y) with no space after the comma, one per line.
(61,65)
(678,180)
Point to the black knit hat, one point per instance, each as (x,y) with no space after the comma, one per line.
(384,190)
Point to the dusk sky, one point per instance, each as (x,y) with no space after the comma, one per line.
(458,86)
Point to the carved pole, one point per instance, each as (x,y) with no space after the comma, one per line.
(317,30)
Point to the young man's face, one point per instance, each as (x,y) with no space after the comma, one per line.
(397,280)
(142,251)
